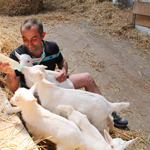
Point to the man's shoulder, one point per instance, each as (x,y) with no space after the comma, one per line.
(50,43)
(51,47)
(20,50)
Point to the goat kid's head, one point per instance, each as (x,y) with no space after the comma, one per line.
(23,95)
(118,143)
(36,73)
(26,60)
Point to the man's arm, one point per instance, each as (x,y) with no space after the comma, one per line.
(63,69)
(63,66)
(12,81)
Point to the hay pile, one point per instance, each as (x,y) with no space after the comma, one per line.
(108,22)
(100,14)
(20,7)
(140,144)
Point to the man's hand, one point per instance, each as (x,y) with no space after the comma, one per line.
(12,81)
(5,67)
(62,77)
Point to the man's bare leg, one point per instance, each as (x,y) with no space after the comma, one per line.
(85,80)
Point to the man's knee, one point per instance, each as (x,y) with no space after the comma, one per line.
(89,78)
(82,80)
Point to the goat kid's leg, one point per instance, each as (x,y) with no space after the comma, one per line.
(12,110)
(111,124)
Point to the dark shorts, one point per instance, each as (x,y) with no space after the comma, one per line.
(68,76)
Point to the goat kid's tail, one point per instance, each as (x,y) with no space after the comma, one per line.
(66,108)
(120,106)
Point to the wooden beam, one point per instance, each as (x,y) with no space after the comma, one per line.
(141,8)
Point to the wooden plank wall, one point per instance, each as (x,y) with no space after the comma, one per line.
(141,11)
(141,8)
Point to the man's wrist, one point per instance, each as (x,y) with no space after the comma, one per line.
(11,74)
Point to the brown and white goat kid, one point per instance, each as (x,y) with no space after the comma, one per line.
(41,123)
(95,106)
(93,139)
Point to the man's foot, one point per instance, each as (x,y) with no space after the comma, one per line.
(118,121)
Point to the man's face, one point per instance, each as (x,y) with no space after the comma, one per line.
(32,39)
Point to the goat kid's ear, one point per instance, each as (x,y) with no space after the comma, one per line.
(47,82)
(54,73)
(129,143)
(108,138)
(17,55)
(36,59)
(31,100)
(32,89)
(11,100)
(44,66)
(40,73)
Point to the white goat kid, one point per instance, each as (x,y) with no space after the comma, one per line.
(26,60)
(93,139)
(95,106)
(41,123)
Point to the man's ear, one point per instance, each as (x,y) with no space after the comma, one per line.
(43,35)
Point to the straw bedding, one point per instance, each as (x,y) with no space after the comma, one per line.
(101,14)
(20,7)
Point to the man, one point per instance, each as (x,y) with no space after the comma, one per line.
(34,45)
